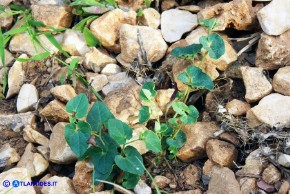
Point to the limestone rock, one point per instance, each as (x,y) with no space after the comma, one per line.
(257,85)
(238,14)
(225,177)
(22,43)
(150,18)
(284,160)
(33,162)
(34,136)
(285,187)
(60,152)
(238,107)
(63,92)
(131,4)
(123,103)
(44,151)
(56,16)
(111,69)
(268,17)
(221,152)
(168,4)
(106,28)
(74,43)
(8,155)
(139,144)
(16,174)
(273,110)
(5,2)
(197,134)
(163,97)
(248,185)
(195,191)
(191,8)
(63,185)
(118,81)
(252,120)
(161,181)
(153,43)
(55,112)
(142,188)
(16,77)
(174,23)
(5,22)
(207,167)
(16,122)
(273,51)
(82,179)
(281,81)
(98,81)
(271,174)
(27,98)
(192,175)
(97,59)
(8,58)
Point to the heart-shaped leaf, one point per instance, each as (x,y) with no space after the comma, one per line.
(130,180)
(210,24)
(144,114)
(214,44)
(119,131)
(151,140)
(196,78)
(191,116)
(132,162)
(78,105)
(77,135)
(99,116)
(178,140)
(187,52)
(147,92)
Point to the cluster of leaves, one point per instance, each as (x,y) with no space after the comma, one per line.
(104,139)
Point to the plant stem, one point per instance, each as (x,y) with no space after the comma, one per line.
(203,59)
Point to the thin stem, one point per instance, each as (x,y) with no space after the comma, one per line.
(203,59)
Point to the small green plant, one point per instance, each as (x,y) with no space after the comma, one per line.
(104,139)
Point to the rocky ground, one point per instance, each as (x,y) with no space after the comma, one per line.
(241,142)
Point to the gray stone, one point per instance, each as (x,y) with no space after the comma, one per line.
(27,98)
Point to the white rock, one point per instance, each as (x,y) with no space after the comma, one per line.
(60,152)
(111,69)
(142,188)
(8,155)
(152,40)
(174,23)
(284,160)
(27,98)
(63,92)
(33,162)
(53,2)
(63,185)
(8,58)
(117,81)
(139,144)
(257,85)
(74,43)
(5,22)
(274,18)
(150,18)
(44,151)
(17,122)
(16,77)
(281,81)
(97,59)
(34,136)
(273,110)
(20,174)
(98,81)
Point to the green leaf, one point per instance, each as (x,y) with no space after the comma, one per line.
(151,140)
(173,121)
(210,24)
(106,143)
(147,92)
(37,57)
(84,22)
(180,108)
(130,180)
(2,8)
(99,116)
(191,116)
(17,7)
(196,78)
(34,23)
(90,38)
(178,140)
(77,135)
(78,105)
(119,131)
(147,3)
(132,162)
(140,12)
(86,2)
(72,66)
(144,114)
(55,43)
(214,44)
(14,31)
(166,130)
(187,52)
(2,56)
